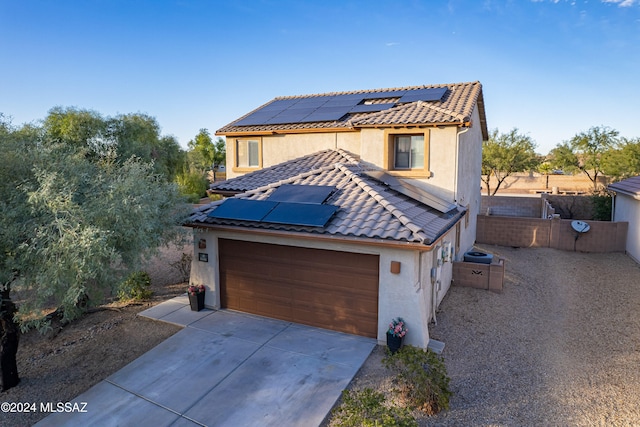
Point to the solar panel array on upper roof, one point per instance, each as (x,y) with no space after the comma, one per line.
(327,108)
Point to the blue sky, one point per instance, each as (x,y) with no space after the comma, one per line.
(551,68)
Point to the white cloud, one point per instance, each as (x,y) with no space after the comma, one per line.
(621,3)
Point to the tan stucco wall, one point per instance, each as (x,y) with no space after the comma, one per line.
(468,182)
(628,209)
(281,148)
(407,295)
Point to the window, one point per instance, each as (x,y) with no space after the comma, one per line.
(247,153)
(408,151)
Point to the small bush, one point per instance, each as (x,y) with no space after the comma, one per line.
(366,408)
(193,185)
(136,287)
(602,206)
(422,378)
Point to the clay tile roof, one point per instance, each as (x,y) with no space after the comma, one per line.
(454,108)
(629,186)
(283,171)
(367,208)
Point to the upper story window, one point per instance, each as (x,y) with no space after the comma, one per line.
(408,151)
(248,154)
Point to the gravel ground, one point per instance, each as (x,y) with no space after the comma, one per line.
(560,346)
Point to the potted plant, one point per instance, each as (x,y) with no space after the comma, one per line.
(196,297)
(395,334)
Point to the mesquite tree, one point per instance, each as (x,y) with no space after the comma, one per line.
(505,154)
(75,220)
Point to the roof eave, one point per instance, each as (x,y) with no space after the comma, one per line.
(284,131)
(320,237)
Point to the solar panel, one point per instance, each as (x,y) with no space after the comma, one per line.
(333,107)
(416,193)
(301,193)
(279,105)
(290,116)
(343,101)
(315,100)
(305,214)
(383,94)
(369,108)
(242,209)
(428,94)
(325,114)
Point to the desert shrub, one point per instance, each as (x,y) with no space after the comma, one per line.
(135,287)
(193,185)
(366,408)
(602,205)
(422,378)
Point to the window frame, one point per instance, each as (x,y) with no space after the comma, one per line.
(236,166)
(390,136)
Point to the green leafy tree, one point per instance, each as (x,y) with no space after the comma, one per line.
(562,157)
(205,154)
(72,227)
(624,161)
(504,155)
(123,136)
(589,148)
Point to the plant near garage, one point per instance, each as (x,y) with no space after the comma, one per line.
(368,408)
(421,378)
(135,287)
(396,333)
(196,296)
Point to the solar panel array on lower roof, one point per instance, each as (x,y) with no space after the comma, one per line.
(242,209)
(305,214)
(301,193)
(288,204)
(333,107)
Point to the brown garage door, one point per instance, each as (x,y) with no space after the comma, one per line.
(329,289)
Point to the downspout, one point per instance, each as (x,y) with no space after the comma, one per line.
(613,206)
(455,166)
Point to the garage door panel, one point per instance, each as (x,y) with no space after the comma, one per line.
(329,289)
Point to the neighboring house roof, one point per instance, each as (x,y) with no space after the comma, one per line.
(367,208)
(629,186)
(455,107)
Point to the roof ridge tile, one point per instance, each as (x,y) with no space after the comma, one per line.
(276,184)
(397,213)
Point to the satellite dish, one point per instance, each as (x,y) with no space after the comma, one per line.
(580,226)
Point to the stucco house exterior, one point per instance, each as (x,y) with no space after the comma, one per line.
(345,210)
(626,207)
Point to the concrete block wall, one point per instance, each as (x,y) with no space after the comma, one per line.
(604,236)
(529,207)
(480,276)
(513,231)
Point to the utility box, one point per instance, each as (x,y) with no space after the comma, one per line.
(480,275)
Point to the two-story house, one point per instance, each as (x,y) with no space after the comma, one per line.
(345,210)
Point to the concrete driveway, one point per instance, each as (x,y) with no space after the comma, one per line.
(225,369)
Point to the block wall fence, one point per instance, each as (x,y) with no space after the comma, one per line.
(604,236)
